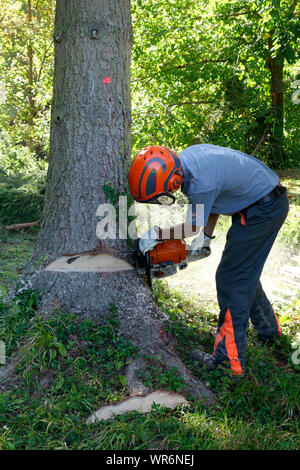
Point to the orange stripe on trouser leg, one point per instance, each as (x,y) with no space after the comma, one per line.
(227,331)
(243,222)
(279,328)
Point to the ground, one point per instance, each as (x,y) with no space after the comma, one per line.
(67,367)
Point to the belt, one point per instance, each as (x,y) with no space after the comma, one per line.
(276,192)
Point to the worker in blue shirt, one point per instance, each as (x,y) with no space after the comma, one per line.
(223,181)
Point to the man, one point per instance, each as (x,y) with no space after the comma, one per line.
(227,182)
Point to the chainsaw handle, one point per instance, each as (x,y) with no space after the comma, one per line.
(148,269)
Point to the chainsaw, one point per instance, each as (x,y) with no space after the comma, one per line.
(165,259)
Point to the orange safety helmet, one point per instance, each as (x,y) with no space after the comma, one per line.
(155,172)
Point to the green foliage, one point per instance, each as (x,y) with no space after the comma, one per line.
(21,199)
(26,70)
(22,185)
(290,231)
(270,374)
(52,394)
(18,159)
(111,194)
(199,74)
(157,376)
(18,249)
(72,360)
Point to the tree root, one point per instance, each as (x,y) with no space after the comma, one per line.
(140,321)
(134,385)
(193,387)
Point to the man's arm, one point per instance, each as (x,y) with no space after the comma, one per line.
(178,232)
(186,230)
(211,223)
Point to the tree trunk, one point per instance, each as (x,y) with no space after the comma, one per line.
(30,80)
(90,147)
(278,157)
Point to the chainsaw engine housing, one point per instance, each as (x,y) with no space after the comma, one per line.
(162,261)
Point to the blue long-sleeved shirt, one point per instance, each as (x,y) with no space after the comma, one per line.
(223,180)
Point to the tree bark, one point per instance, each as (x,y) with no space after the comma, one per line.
(90,147)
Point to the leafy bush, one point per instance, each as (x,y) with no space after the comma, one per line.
(22,184)
(18,159)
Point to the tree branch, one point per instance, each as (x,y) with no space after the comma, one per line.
(295,2)
(43,61)
(166,66)
(261,140)
(236,14)
(240,13)
(184,103)
(25,225)
(201,62)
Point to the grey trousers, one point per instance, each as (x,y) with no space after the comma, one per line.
(240,294)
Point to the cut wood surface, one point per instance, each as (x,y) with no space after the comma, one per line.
(89,263)
(143,404)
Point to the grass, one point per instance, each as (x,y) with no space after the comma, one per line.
(15,251)
(67,366)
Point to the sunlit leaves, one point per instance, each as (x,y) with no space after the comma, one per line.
(26,37)
(199,69)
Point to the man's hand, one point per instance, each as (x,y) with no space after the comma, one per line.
(149,239)
(200,247)
(202,241)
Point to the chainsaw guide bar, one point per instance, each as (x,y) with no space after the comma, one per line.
(164,260)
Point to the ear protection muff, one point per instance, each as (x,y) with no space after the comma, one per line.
(176,180)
